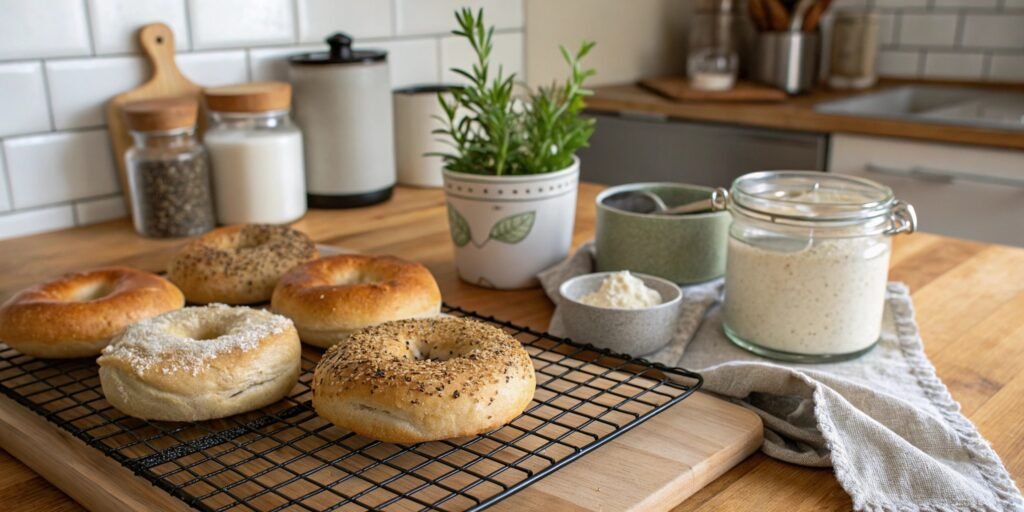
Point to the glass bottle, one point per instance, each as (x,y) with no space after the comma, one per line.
(712,61)
(168,170)
(258,169)
(807,263)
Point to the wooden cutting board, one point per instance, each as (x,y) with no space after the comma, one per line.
(679,89)
(653,467)
(167,81)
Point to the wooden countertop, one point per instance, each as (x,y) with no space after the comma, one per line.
(797,113)
(969,299)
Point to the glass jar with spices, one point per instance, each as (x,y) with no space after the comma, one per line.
(168,171)
(258,170)
(807,263)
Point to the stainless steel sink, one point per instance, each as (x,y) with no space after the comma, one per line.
(936,104)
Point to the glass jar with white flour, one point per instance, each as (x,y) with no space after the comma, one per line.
(258,170)
(808,263)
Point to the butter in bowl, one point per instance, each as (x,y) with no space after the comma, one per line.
(628,313)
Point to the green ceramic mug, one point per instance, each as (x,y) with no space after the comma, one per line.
(684,249)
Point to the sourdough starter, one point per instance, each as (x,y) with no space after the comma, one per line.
(797,296)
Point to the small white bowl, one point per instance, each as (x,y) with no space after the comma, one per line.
(635,332)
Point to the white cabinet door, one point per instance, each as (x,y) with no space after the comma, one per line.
(961,191)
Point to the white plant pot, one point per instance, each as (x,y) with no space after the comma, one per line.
(506,229)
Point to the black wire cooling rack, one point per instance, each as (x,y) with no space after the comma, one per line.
(286,457)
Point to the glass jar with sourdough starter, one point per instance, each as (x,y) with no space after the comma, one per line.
(808,262)
(168,171)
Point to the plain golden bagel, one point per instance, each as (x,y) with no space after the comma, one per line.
(238,264)
(332,297)
(201,363)
(413,381)
(77,314)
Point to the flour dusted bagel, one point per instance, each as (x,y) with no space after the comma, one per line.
(201,363)
(412,381)
(331,297)
(238,264)
(77,314)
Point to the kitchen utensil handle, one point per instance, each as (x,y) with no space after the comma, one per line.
(759,15)
(943,175)
(777,15)
(814,14)
(797,20)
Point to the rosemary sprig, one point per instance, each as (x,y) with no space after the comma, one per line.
(491,131)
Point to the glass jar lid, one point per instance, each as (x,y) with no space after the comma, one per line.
(803,198)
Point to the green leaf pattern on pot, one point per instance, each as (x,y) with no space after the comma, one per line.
(513,229)
(458,226)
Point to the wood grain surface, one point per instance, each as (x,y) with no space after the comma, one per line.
(797,113)
(968,296)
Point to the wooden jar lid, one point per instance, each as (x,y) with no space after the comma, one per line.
(250,97)
(162,114)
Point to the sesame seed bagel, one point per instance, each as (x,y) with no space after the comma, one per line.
(412,381)
(77,314)
(332,297)
(201,363)
(239,264)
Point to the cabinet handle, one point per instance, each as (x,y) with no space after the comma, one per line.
(943,175)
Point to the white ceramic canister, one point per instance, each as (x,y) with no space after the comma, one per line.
(343,105)
(415,121)
(256,154)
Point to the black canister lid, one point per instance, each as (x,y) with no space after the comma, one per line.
(341,52)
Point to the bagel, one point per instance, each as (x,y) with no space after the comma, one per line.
(238,264)
(332,297)
(412,381)
(201,363)
(77,314)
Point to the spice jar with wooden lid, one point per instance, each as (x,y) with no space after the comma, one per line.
(258,169)
(168,170)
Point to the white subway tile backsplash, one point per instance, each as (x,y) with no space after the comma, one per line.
(954,65)
(43,28)
(887,28)
(5,195)
(898,63)
(927,29)
(116,22)
(994,31)
(30,222)
(412,61)
(900,3)
(59,167)
(272,63)
(415,17)
(234,23)
(1007,68)
(357,18)
(456,52)
(210,69)
(974,4)
(80,88)
(23,106)
(100,210)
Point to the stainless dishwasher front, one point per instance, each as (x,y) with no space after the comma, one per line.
(629,148)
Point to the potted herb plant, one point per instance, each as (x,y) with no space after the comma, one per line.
(511,176)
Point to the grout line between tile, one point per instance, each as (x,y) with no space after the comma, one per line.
(958,33)
(297,38)
(394,18)
(188,24)
(8,186)
(88,27)
(48,91)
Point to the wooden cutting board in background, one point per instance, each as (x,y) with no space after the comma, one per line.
(678,88)
(167,81)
